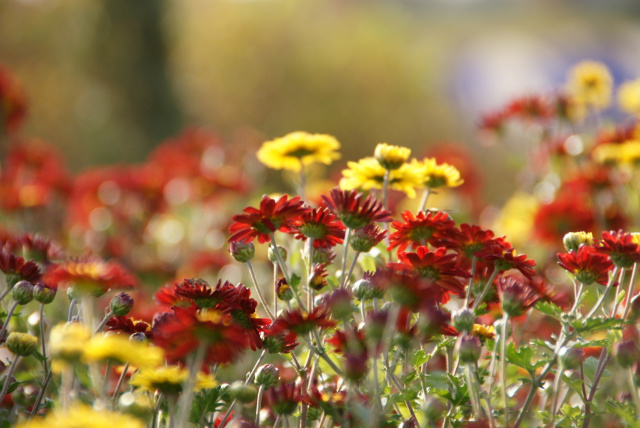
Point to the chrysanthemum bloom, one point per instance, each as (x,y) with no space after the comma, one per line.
(425,228)
(505,259)
(67,341)
(300,322)
(590,83)
(629,97)
(518,296)
(318,277)
(18,269)
(587,265)
(91,275)
(355,213)
(129,326)
(181,334)
(83,416)
(322,226)
(367,174)
(363,240)
(391,157)
(407,287)
(279,342)
(283,399)
(298,149)
(272,215)
(530,108)
(32,247)
(621,247)
(436,175)
(624,154)
(169,380)
(471,239)
(202,294)
(437,266)
(121,350)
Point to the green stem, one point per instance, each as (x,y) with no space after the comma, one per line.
(186,397)
(114,397)
(45,364)
(473,392)
(7,380)
(347,238)
(258,291)
(6,321)
(285,272)
(503,368)
(385,189)
(634,392)
(104,321)
(612,279)
(627,304)
(484,292)
(474,263)
(618,288)
(353,265)
(425,198)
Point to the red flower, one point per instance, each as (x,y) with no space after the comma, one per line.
(355,213)
(471,239)
(202,294)
(188,328)
(407,287)
(273,215)
(320,225)
(621,247)
(425,228)
(518,295)
(300,322)
(279,342)
(91,274)
(12,103)
(129,325)
(17,269)
(284,399)
(531,107)
(438,266)
(506,259)
(363,240)
(587,265)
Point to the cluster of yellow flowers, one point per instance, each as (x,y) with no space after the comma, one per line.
(299,149)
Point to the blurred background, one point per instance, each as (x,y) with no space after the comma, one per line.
(108,80)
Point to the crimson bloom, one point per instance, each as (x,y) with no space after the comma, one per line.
(202,294)
(320,225)
(189,328)
(91,274)
(519,295)
(621,247)
(273,215)
(300,322)
(355,213)
(128,325)
(425,228)
(407,287)
(471,239)
(17,269)
(506,259)
(587,265)
(438,266)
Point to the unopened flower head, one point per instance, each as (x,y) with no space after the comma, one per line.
(298,149)
(391,157)
(573,240)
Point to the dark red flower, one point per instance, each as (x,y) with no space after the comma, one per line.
(363,240)
(621,247)
(518,295)
(273,215)
(91,275)
(471,239)
(407,287)
(506,259)
(425,228)
(320,225)
(301,322)
(437,266)
(284,399)
(202,294)
(355,213)
(18,269)
(166,297)
(128,325)
(189,328)
(587,265)
(279,342)
(531,107)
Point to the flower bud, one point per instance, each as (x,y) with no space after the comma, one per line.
(121,304)
(463,320)
(273,257)
(570,358)
(243,393)
(626,353)
(44,293)
(634,311)
(433,409)
(242,252)
(22,344)
(22,292)
(355,367)
(283,290)
(267,375)
(512,303)
(468,348)
(391,157)
(363,240)
(72,293)
(323,255)
(339,302)
(317,279)
(573,240)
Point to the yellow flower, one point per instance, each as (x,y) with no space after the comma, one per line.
(437,175)
(169,380)
(391,157)
(590,83)
(299,149)
(626,153)
(118,348)
(367,174)
(629,97)
(82,416)
(67,341)
(483,331)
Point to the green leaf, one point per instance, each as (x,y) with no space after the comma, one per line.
(550,309)
(419,358)
(589,367)
(572,412)
(207,401)
(295,280)
(523,357)
(575,384)
(595,324)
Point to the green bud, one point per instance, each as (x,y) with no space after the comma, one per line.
(626,353)
(463,320)
(22,344)
(267,375)
(243,393)
(44,293)
(273,258)
(242,252)
(468,348)
(121,304)
(22,292)
(573,240)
